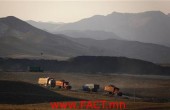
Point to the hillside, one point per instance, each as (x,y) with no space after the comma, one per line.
(87,64)
(131,49)
(47,26)
(169,14)
(149,27)
(18,38)
(98,35)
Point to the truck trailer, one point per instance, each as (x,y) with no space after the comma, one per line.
(91,87)
(46,82)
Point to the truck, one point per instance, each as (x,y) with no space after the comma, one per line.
(63,84)
(113,90)
(48,82)
(91,87)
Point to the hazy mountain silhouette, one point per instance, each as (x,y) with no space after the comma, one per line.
(52,27)
(47,26)
(21,40)
(169,14)
(130,49)
(98,35)
(150,27)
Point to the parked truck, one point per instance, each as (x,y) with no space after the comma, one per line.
(113,90)
(63,84)
(91,87)
(50,82)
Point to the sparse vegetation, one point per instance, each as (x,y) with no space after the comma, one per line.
(154,91)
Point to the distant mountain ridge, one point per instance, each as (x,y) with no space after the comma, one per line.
(98,35)
(169,14)
(18,39)
(131,49)
(47,26)
(94,34)
(148,27)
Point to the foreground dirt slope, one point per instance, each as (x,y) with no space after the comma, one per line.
(131,105)
(17,92)
(157,87)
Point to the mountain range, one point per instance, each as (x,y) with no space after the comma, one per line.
(18,39)
(131,49)
(53,27)
(47,26)
(149,27)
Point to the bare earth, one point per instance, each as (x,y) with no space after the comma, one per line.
(151,92)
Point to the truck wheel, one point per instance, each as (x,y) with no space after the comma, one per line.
(110,93)
(68,87)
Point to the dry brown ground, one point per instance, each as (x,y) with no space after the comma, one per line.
(145,87)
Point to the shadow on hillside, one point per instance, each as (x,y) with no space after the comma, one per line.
(15,92)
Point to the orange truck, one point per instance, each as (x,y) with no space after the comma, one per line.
(63,84)
(113,90)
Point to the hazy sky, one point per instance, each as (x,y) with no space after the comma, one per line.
(71,10)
